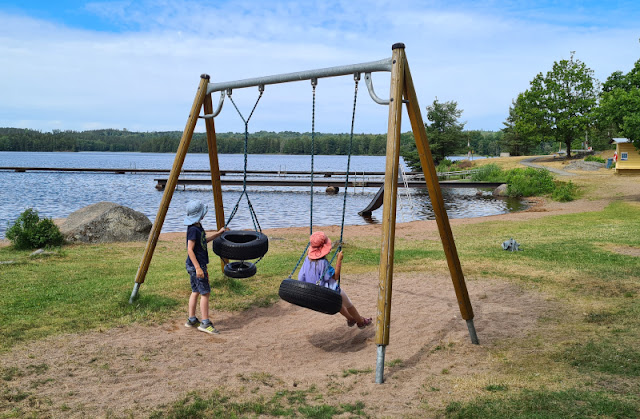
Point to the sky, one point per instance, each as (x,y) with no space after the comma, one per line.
(81,65)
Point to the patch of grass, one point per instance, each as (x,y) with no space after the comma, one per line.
(353,371)
(599,317)
(37,369)
(604,356)
(283,403)
(564,191)
(497,387)
(74,294)
(10,373)
(596,159)
(394,363)
(13,395)
(545,404)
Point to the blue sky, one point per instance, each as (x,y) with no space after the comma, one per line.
(136,64)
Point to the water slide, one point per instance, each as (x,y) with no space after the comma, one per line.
(375,203)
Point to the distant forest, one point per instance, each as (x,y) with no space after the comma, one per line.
(262,142)
(16,139)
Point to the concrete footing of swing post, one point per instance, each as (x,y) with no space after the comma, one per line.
(380,364)
(472,332)
(134,293)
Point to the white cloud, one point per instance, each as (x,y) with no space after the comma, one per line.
(144,77)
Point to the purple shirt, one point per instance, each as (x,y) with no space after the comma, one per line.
(312,272)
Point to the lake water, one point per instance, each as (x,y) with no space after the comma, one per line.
(57,194)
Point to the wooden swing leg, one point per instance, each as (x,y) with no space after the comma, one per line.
(215,169)
(437,202)
(383,314)
(171,185)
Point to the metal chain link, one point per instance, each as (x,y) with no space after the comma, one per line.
(314,83)
(254,217)
(356,78)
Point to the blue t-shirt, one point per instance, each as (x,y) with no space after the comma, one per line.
(196,233)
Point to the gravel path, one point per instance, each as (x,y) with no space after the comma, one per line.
(528,162)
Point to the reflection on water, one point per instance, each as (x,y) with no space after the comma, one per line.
(56,195)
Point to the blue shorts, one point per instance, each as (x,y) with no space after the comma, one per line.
(199,285)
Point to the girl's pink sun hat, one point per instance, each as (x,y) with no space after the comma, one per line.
(320,245)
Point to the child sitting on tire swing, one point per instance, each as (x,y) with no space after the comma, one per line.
(317,270)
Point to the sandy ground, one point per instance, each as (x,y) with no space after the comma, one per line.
(130,370)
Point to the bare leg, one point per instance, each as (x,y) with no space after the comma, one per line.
(345,312)
(193,300)
(355,315)
(204,306)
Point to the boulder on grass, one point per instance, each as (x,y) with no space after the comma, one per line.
(106,222)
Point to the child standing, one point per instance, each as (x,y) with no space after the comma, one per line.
(196,264)
(317,270)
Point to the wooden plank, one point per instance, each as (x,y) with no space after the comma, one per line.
(383,315)
(442,219)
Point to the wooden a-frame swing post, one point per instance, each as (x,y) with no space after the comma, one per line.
(201,99)
(402,86)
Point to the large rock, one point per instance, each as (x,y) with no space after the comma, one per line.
(106,222)
(501,190)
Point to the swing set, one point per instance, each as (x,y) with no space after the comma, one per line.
(246,245)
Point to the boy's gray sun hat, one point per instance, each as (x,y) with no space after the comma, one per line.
(196,211)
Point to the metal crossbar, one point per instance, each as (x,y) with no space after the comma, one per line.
(370,67)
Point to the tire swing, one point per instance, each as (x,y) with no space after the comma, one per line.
(305,294)
(242,245)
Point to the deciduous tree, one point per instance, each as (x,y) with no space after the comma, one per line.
(445,134)
(619,110)
(559,105)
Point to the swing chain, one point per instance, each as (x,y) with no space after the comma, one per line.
(356,78)
(346,182)
(254,218)
(314,82)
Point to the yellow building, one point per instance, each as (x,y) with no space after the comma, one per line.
(628,157)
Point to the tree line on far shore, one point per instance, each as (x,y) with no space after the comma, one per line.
(262,142)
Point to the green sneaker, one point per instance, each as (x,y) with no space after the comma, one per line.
(208,328)
(194,323)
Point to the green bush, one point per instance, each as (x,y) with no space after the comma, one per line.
(444,166)
(489,173)
(529,182)
(564,192)
(31,232)
(595,158)
(525,182)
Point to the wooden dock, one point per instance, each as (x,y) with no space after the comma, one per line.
(287,178)
(186,171)
(324,182)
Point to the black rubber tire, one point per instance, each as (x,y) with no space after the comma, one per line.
(241,245)
(240,269)
(311,296)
